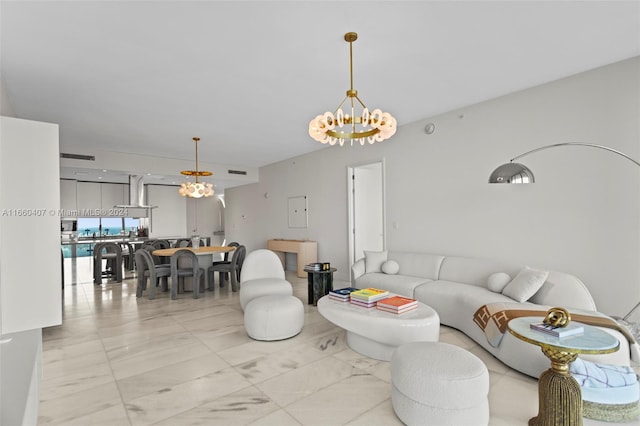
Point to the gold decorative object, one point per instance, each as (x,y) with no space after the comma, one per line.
(196,189)
(374,126)
(557,317)
(559,394)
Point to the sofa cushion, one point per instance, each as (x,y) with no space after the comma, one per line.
(498,281)
(390,267)
(398,284)
(525,284)
(373,260)
(417,264)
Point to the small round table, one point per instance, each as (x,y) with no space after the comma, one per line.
(559,395)
(319,283)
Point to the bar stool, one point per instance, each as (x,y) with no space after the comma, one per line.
(112,253)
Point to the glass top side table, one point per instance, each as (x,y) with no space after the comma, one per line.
(559,395)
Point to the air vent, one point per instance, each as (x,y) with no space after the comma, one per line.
(78,156)
(237,172)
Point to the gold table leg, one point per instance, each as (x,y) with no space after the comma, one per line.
(559,395)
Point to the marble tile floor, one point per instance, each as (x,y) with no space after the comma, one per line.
(119,360)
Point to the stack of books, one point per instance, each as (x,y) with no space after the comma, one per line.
(341,294)
(397,304)
(571,330)
(314,266)
(368,297)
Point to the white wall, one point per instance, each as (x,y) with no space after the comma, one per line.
(203,216)
(169,219)
(6,109)
(582,215)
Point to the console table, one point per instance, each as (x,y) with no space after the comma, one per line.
(306,252)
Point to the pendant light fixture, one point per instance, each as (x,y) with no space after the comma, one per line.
(371,127)
(196,189)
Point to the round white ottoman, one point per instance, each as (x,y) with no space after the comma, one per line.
(259,287)
(273,317)
(439,384)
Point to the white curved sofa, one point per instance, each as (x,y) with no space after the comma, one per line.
(456,287)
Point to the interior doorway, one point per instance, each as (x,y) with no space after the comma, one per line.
(366,209)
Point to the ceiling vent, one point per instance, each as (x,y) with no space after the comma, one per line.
(78,156)
(237,172)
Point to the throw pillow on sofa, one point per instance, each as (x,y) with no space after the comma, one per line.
(525,284)
(373,260)
(498,281)
(390,267)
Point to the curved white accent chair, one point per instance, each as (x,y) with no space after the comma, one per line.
(262,274)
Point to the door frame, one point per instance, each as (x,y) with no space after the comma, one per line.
(351,209)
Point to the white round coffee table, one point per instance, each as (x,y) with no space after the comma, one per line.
(376,333)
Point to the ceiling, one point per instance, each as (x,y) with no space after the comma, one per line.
(144,77)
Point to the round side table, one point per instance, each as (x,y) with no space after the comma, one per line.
(559,395)
(319,283)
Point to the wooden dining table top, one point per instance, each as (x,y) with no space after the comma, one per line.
(199,250)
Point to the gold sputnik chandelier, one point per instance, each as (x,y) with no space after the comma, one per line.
(196,189)
(371,127)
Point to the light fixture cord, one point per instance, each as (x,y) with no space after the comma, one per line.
(351,63)
(353,110)
(196,140)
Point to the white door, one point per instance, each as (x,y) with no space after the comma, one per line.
(366,209)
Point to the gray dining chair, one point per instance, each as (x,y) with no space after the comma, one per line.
(160,244)
(148,271)
(229,269)
(225,258)
(112,253)
(128,258)
(184,263)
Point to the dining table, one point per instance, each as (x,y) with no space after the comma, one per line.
(204,253)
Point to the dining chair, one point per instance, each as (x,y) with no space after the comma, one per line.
(147,270)
(184,263)
(231,269)
(225,255)
(182,242)
(128,255)
(112,253)
(161,244)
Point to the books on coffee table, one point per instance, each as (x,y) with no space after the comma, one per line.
(341,294)
(369,294)
(397,304)
(398,312)
(362,303)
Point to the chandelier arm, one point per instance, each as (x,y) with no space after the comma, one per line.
(341,103)
(606,148)
(360,101)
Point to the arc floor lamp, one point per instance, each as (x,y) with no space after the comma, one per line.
(519,173)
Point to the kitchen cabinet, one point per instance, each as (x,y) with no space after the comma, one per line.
(68,202)
(89,196)
(112,194)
